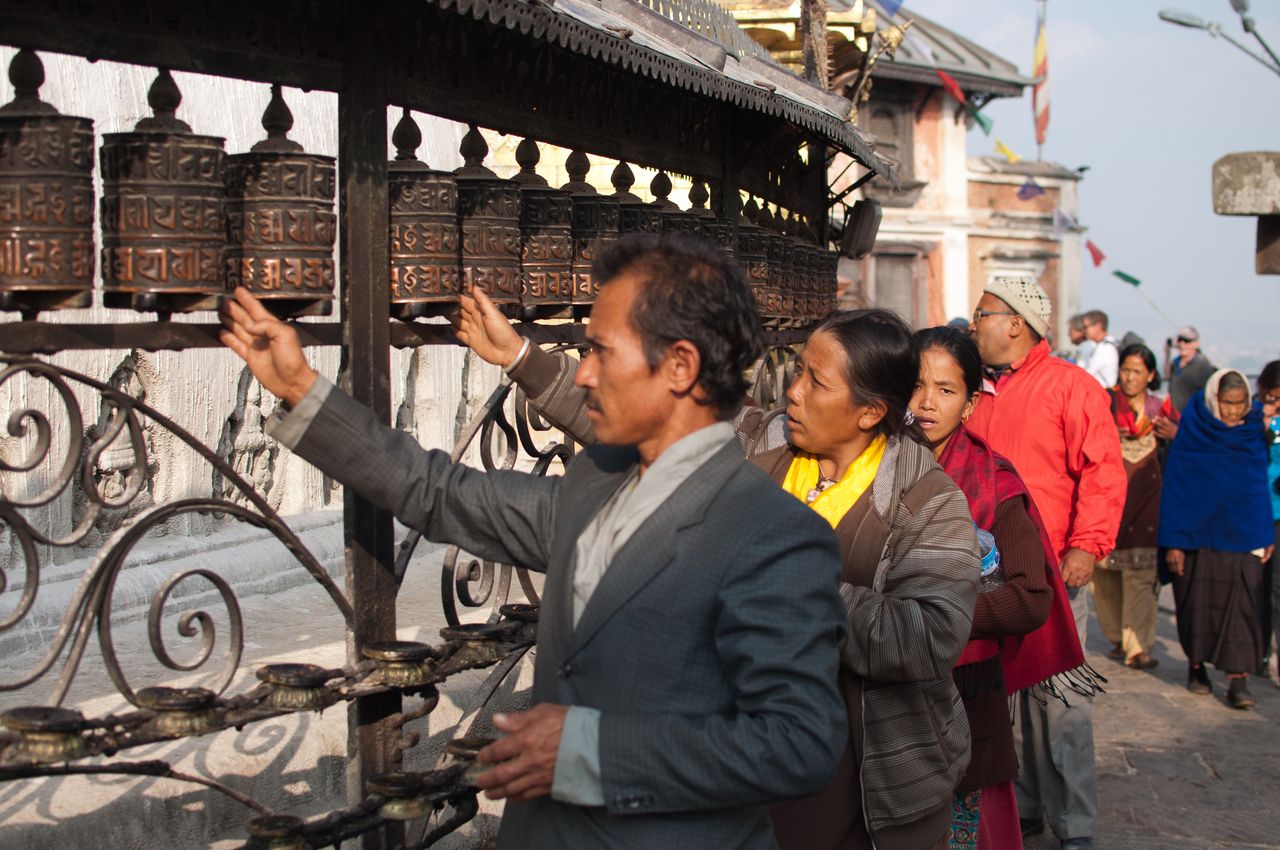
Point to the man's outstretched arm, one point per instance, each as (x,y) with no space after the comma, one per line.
(505,516)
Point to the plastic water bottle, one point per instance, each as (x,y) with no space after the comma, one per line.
(992,574)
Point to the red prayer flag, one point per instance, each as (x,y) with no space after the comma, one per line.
(1095,252)
(953,88)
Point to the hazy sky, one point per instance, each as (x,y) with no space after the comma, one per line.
(1149,107)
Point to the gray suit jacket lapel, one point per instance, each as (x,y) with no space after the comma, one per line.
(653,546)
(556,622)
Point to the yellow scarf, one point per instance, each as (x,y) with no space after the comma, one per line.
(835,501)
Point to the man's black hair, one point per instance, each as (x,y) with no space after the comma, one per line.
(690,289)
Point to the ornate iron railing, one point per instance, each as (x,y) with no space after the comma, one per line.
(493,581)
(50,740)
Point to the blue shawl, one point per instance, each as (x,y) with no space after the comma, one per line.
(1215,492)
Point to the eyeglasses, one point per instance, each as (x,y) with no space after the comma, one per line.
(1184,339)
(979,315)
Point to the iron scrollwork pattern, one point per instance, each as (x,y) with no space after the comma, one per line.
(477,583)
(91,604)
(773,376)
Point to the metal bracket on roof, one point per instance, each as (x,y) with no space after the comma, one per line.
(832,200)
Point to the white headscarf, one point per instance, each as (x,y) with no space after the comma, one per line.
(1211,389)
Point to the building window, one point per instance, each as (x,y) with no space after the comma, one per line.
(893,124)
(897,276)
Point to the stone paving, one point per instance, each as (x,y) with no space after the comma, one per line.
(1178,771)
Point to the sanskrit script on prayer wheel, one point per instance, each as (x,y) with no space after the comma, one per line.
(674,219)
(710,226)
(546,237)
(595,222)
(46,199)
(489,220)
(425,272)
(424,243)
(163,212)
(752,254)
(829,282)
(634,215)
(776,246)
(280,221)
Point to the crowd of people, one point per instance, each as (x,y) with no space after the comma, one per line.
(809,628)
(1200,508)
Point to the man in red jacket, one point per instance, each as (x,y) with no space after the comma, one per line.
(1053,421)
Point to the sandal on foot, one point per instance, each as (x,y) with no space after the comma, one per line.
(1238,695)
(1198,681)
(1141,661)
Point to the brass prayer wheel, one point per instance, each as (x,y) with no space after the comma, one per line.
(776,250)
(280,221)
(634,215)
(546,237)
(595,222)
(46,199)
(674,220)
(489,221)
(806,266)
(163,212)
(719,230)
(787,284)
(424,243)
(752,254)
(829,283)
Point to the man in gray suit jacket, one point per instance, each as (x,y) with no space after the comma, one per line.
(685,671)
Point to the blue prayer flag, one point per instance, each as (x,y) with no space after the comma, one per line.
(891,7)
(1030,189)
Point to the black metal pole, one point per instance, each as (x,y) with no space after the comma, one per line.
(366,313)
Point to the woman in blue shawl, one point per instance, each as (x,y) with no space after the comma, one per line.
(1215,523)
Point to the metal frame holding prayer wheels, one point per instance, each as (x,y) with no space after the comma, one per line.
(679,100)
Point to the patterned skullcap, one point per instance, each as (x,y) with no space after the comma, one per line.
(1026,298)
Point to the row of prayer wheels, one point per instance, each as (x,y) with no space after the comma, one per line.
(183,223)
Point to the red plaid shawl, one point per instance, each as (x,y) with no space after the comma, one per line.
(987,480)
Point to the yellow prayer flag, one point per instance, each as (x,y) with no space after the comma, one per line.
(1004,151)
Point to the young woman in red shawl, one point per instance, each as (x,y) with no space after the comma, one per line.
(1023,633)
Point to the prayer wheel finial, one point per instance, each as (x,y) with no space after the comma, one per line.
(474,149)
(660,186)
(26,72)
(277,120)
(577,165)
(406,137)
(164,97)
(623,178)
(698,196)
(528,156)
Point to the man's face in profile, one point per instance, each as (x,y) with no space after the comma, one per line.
(627,401)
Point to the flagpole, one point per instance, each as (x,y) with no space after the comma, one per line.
(1044,15)
(1155,306)
(1035,118)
